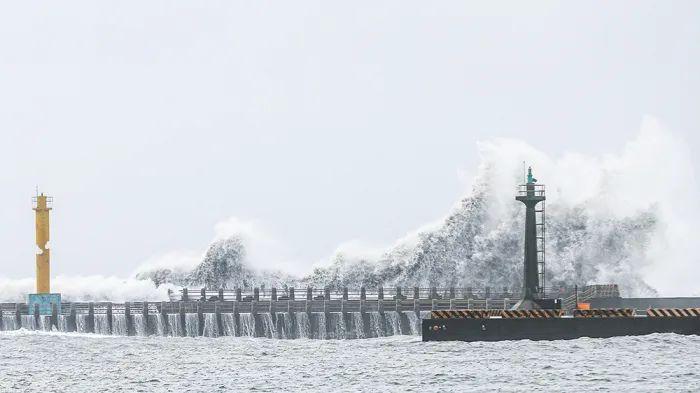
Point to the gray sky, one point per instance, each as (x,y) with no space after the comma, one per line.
(149,122)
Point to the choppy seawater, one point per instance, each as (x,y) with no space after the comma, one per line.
(69,362)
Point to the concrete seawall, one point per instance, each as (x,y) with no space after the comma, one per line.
(285,319)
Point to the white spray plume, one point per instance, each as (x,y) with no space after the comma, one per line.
(653,172)
(88,288)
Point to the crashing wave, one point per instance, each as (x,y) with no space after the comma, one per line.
(473,247)
(613,219)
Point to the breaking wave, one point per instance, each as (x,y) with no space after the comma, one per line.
(628,219)
(615,219)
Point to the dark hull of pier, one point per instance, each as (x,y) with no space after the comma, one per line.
(502,329)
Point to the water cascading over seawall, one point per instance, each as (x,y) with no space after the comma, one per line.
(102,324)
(28,322)
(211,326)
(267,326)
(152,320)
(303,325)
(192,324)
(334,319)
(119,325)
(300,325)
(9,322)
(247,325)
(174,325)
(228,324)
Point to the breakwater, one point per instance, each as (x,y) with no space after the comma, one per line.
(272,313)
(282,319)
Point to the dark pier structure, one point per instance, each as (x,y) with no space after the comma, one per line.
(537,317)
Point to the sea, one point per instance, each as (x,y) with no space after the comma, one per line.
(40,361)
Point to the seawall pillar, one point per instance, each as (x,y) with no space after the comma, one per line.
(72,323)
(91,318)
(273,311)
(18,314)
(219,322)
(109,317)
(181,311)
(200,319)
(37,316)
(146,324)
(164,319)
(54,316)
(128,319)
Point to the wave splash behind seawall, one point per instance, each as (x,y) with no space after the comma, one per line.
(627,219)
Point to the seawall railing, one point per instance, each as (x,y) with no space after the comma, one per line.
(403,293)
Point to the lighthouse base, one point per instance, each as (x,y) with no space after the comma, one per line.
(45,302)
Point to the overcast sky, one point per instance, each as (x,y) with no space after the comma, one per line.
(151,121)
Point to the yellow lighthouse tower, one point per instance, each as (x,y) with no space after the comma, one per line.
(43,267)
(43,301)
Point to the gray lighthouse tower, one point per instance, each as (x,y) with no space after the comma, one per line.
(531,194)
